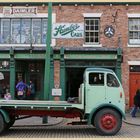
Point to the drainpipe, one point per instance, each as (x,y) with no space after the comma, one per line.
(47,59)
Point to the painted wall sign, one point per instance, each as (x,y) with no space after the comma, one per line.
(68,30)
(19,11)
(109,31)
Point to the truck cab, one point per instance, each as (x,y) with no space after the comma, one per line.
(100,103)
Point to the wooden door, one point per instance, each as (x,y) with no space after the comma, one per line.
(134,84)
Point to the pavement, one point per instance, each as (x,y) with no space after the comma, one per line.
(132,120)
(52,121)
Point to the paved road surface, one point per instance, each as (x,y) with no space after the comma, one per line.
(58,128)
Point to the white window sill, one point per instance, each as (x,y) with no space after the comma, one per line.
(133,46)
(92,45)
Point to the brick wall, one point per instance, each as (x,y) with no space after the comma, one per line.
(115,15)
(111,15)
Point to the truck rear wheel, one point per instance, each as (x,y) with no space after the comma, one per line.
(108,121)
(2,123)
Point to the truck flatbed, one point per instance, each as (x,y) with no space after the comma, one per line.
(38,104)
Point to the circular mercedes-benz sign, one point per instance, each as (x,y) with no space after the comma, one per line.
(109,31)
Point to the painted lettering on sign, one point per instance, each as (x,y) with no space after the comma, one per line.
(19,11)
(68,30)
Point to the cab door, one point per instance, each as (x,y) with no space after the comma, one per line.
(113,89)
(95,90)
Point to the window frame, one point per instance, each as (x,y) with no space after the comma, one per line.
(39,15)
(94,16)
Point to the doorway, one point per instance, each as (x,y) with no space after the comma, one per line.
(134,84)
(32,70)
(74,77)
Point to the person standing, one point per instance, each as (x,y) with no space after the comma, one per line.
(31,88)
(136,103)
(21,90)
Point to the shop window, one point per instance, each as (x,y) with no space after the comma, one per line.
(36,31)
(15,31)
(92,30)
(23,31)
(5,31)
(134,31)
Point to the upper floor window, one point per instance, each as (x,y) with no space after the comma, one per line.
(134,31)
(92,30)
(23,31)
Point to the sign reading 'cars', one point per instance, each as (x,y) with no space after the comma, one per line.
(68,30)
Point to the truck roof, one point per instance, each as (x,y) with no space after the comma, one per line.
(99,70)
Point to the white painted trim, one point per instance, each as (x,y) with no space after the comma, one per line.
(133,62)
(133,15)
(133,46)
(22,45)
(92,14)
(92,45)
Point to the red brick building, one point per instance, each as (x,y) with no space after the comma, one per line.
(105,26)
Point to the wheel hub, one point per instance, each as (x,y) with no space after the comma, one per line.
(108,121)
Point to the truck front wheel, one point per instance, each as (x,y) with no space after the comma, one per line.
(108,121)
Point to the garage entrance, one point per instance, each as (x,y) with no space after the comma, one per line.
(74,77)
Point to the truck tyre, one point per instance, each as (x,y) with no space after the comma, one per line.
(108,121)
(2,123)
(12,121)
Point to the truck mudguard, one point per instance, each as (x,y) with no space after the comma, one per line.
(5,115)
(104,106)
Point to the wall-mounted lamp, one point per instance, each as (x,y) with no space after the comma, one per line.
(5,63)
(110,4)
(60,6)
(11,5)
(43,5)
(27,5)
(126,5)
(76,5)
(91,5)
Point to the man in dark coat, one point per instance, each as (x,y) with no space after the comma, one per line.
(136,103)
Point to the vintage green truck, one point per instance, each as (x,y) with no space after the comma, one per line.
(101,103)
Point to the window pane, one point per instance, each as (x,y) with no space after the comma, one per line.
(25,31)
(96,79)
(44,30)
(36,31)
(112,81)
(15,31)
(5,23)
(92,30)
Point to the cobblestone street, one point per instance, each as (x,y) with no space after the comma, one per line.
(58,128)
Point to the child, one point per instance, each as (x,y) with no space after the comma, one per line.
(7,96)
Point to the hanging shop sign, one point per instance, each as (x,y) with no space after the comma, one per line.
(19,11)
(68,30)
